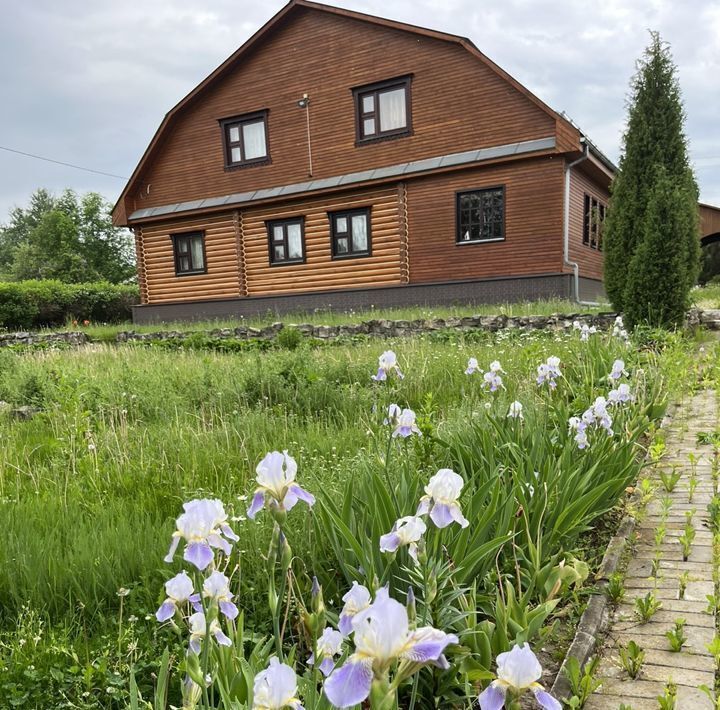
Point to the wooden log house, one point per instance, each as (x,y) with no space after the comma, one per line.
(340,160)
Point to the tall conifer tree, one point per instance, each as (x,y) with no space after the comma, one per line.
(654,139)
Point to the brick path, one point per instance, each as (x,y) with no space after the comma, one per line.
(693,666)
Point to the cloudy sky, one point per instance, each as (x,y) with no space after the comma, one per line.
(88,81)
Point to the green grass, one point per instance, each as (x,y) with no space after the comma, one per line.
(707,296)
(90,487)
(102,332)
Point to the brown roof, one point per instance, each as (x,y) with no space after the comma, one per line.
(277,21)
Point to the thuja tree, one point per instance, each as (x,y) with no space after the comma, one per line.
(658,288)
(654,149)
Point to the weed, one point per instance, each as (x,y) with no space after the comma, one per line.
(676,636)
(667,700)
(646,607)
(616,588)
(670,479)
(582,681)
(631,658)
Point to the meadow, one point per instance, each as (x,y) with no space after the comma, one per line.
(91,485)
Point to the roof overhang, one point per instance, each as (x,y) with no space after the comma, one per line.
(415,168)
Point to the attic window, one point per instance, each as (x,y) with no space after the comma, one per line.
(245,139)
(383,110)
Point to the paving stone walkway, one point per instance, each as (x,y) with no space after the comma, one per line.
(693,666)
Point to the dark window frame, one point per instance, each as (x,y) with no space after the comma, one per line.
(227,123)
(458,218)
(375,89)
(177,254)
(335,235)
(284,223)
(593,228)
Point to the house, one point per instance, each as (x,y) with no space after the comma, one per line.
(341,159)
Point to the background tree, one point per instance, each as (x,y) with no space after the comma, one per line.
(654,138)
(68,238)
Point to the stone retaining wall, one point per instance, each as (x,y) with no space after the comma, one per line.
(386,328)
(380,328)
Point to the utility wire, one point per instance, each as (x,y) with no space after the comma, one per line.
(60,162)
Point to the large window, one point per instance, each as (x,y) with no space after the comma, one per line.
(350,233)
(593,222)
(481,215)
(189,251)
(245,139)
(383,110)
(285,238)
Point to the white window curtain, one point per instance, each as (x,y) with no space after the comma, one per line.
(392,109)
(294,241)
(254,140)
(359,232)
(196,248)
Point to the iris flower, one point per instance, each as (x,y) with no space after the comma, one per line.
(382,636)
(393,413)
(549,371)
(516,410)
(621,394)
(387,364)
(518,671)
(328,646)
(202,526)
(198,631)
(276,484)
(356,600)
(179,591)
(472,367)
(217,588)
(405,424)
(440,499)
(618,370)
(406,531)
(275,688)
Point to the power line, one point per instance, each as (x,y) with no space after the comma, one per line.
(60,162)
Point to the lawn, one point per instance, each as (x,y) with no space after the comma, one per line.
(91,485)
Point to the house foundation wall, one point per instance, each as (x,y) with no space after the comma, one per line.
(495,290)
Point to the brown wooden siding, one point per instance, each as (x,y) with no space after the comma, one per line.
(533,223)
(709,220)
(321,272)
(140,261)
(590,261)
(458,103)
(222,280)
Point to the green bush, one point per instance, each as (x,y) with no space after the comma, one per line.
(37,304)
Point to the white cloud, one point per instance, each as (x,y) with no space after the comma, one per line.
(89,82)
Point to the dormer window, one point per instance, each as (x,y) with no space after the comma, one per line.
(245,139)
(383,110)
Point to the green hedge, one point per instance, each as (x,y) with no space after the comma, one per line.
(37,304)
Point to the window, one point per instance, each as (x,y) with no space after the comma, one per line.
(593,221)
(245,139)
(350,233)
(286,241)
(189,252)
(481,215)
(383,110)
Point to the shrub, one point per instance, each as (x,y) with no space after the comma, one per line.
(36,304)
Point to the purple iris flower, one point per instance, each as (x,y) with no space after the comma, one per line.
(179,591)
(406,531)
(356,600)
(618,370)
(393,414)
(276,484)
(275,688)
(548,372)
(328,646)
(217,588)
(382,635)
(440,499)
(203,526)
(387,364)
(518,671)
(406,425)
(198,631)
(472,367)
(620,395)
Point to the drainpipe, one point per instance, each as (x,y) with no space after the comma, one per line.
(566,220)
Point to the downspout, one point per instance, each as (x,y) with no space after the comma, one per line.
(566,221)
